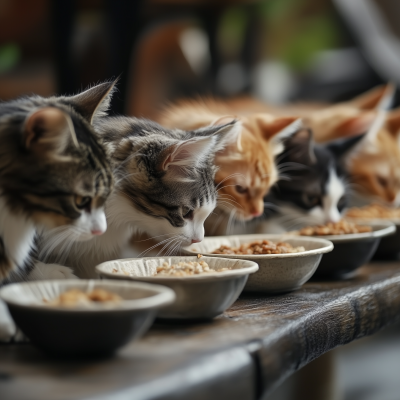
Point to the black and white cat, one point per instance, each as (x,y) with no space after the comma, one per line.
(313,187)
(164,187)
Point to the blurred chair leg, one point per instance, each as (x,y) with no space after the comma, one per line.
(124,23)
(63,14)
(318,380)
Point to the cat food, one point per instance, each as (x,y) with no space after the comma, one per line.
(260,247)
(186,268)
(76,297)
(373,211)
(342,227)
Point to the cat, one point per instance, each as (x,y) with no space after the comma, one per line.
(54,175)
(375,167)
(314,189)
(328,121)
(164,187)
(246,168)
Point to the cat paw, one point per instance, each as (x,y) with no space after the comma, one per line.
(51,271)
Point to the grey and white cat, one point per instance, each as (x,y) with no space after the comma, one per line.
(314,189)
(164,187)
(54,175)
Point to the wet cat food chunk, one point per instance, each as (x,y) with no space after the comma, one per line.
(186,268)
(373,211)
(342,227)
(76,297)
(260,247)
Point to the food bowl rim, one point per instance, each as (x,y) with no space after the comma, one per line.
(161,296)
(218,276)
(327,246)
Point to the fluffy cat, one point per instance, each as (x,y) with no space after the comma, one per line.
(328,121)
(164,187)
(375,167)
(314,188)
(54,173)
(246,168)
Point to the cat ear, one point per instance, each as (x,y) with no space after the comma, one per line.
(279,130)
(226,130)
(300,146)
(48,130)
(94,103)
(356,125)
(341,147)
(190,153)
(380,97)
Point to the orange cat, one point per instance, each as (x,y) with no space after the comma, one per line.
(375,166)
(247,167)
(327,121)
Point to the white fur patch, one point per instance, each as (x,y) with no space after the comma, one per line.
(17,232)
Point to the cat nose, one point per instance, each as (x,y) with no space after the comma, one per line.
(195,240)
(97,232)
(256,213)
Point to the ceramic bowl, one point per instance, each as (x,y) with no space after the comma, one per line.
(201,296)
(98,330)
(352,251)
(278,272)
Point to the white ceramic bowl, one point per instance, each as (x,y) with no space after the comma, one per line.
(98,330)
(278,272)
(197,297)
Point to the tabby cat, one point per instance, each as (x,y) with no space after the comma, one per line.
(54,174)
(164,187)
(246,168)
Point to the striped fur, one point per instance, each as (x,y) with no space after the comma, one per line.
(164,187)
(50,159)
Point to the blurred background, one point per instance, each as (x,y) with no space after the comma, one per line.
(276,50)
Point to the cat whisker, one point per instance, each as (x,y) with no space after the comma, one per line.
(228,177)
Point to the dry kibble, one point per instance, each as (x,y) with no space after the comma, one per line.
(259,247)
(186,268)
(342,227)
(76,297)
(373,211)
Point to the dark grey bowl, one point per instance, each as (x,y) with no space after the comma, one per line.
(77,332)
(351,251)
(389,247)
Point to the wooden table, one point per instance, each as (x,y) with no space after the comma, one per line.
(241,355)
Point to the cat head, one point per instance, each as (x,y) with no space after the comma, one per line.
(314,183)
(246,168)
(165,178)
(349,118)
(53,167)
(375,167)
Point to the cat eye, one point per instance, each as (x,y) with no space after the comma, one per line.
(313,200)
(83,202)
(187,213)
(240,189)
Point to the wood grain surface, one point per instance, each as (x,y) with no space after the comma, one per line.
(241,355)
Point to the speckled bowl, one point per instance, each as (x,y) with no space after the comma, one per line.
(278,272)
(98,329)
(352,251)
(201,296)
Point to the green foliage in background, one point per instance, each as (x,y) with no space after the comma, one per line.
(293,30)
(9,57)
